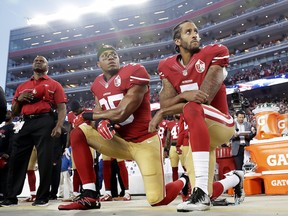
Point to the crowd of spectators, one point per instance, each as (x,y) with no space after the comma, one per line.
(274,68)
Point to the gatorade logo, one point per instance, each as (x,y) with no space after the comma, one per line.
(277,160)
(281,124)
(261,120)
(282,182)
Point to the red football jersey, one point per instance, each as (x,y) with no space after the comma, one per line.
(109,94)
(162,131)
(191,76)
(71,116)
(183,135)
(174,129)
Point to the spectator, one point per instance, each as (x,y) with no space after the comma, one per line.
(65,179)
(241,138)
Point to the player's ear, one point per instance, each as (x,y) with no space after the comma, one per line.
(177,41)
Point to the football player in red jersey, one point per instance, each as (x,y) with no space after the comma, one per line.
(192,84)
(122,97)
(76,109)
(162,133)
(173,132)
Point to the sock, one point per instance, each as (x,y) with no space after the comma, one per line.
(32,181)
(83,159)
(124,174)
(223,185)
(76,182)
(230,181)
(107,174)
(175,173)
(89,186)
(201,169)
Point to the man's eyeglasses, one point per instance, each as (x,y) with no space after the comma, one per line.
(108,55)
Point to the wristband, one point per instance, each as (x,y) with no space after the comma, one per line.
(98,120)
(88,115)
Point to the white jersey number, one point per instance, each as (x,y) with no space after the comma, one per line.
(110,104)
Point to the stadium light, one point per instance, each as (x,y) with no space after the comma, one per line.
(69,13)
(73,12)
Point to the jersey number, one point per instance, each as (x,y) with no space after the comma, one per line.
(110,103)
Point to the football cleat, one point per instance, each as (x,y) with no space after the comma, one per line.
(239,194)
(85,201)
(106,198)
(198,201)
(127,197)
(30,199)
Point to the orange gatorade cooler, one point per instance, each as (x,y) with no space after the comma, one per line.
(266,121)
(269,154)
(283,124)
(276,182)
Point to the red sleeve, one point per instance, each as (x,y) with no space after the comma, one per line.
(59,96)
(221,55)
(138,76)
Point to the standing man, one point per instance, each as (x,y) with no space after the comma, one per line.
(35,99)
(192,83)
(122,97)
(241,138)
(173,129)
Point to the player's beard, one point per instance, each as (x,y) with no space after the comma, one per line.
(190,47)
(113,71)
(194,49)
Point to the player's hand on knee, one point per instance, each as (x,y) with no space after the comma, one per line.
(105,129)
(178,150)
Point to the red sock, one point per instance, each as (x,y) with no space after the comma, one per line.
(31,180)
(218,189)
(175,173)
(172,191)
(76,181)
(83,159)
(107,174)
(124,174)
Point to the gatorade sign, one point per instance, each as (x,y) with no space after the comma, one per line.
(277,160)
(279,182)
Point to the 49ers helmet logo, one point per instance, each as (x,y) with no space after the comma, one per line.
(200,66)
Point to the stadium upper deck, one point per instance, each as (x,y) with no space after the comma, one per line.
(143,34)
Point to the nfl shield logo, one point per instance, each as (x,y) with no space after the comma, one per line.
(200,66)
(117,81)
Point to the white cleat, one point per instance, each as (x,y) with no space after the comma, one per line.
(198,201)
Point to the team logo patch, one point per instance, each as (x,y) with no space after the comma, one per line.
(117,81)
(200,66)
